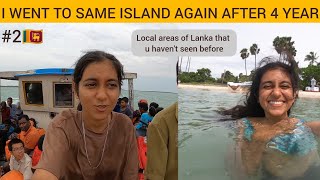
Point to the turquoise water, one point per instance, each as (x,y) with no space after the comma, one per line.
(164,99)
(204,141)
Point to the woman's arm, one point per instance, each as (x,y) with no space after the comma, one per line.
(247,153)
(233,157)
(315,127)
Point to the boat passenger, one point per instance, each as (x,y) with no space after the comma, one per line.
(5,111)
(29,134)
(143,102)
(162,161)
(19,111)
(94,143)
(19,160)
(12,107)
(124,108)
(145,119)
(34,123)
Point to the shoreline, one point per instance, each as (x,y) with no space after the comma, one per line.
(302,94)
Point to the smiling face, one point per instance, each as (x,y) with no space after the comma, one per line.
(98,90)
(276,94)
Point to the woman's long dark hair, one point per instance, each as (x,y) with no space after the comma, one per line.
(252,107)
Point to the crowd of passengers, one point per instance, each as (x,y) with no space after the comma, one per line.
(21,140)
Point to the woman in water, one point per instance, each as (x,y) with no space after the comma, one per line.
(270,143)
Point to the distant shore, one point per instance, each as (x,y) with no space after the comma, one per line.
(302,94)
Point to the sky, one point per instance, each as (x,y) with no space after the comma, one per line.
(63,44)
(305,36)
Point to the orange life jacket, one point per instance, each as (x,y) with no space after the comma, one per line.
(6,149)
(41,131)
(12,175)
(142,151)
(36,156)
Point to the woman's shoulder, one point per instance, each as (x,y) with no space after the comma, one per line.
(121,119)
(64,118)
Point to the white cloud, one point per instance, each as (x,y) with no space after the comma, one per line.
(305,36)
(65,43)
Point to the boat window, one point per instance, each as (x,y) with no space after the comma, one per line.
(63,96)
(33,93)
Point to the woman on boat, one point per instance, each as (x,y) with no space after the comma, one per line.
(94,143)
(270,143)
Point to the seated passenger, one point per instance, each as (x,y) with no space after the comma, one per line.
(124,108)
(29,134)
(19,160)
(34,123)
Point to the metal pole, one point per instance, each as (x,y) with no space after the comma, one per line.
(130,91)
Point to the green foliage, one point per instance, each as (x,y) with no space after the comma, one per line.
(284,45)
(312,57)
(308,73)
(202,75)
(243,78)
(228,77)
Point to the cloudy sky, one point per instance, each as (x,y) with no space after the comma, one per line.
(65,43)
(306,37)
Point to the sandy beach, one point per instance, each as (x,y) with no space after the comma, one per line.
(302,94)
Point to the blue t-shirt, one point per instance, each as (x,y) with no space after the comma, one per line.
(144,121)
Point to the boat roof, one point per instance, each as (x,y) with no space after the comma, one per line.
(48,71)
(14,75)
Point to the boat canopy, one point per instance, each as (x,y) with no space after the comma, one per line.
(15,75)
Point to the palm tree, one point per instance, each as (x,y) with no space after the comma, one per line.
(284,46)
(254,50)
(189,60)
(244,54)
(179,63)
(312,57)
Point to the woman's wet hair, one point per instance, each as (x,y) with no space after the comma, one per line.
(252,107)
(94,57)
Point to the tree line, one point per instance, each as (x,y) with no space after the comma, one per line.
(284,46)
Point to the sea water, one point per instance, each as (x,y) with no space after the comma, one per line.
(164,99)
(204,140)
